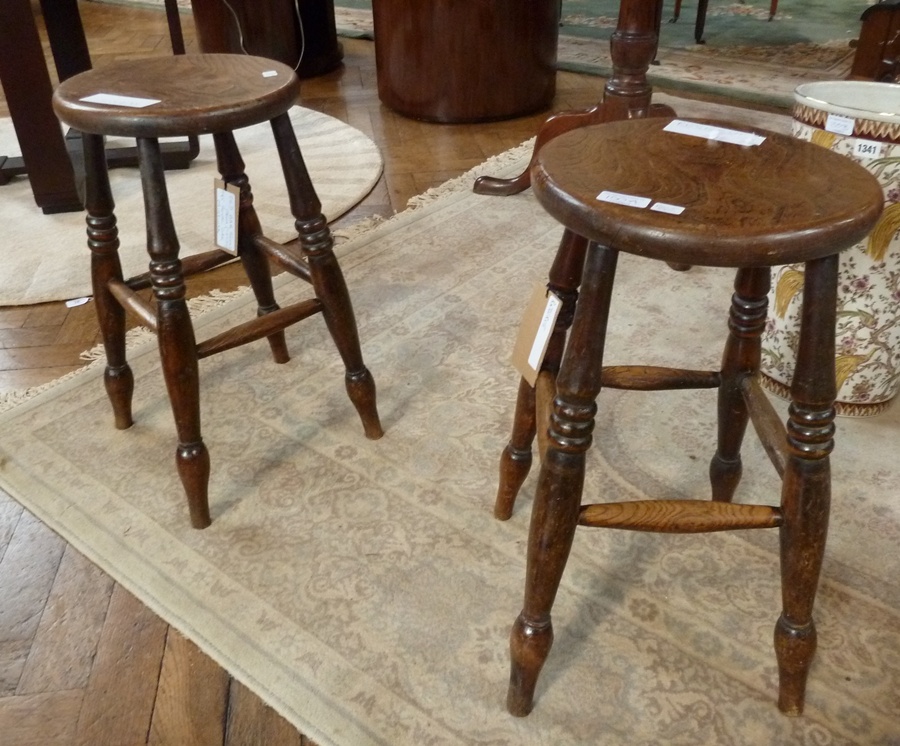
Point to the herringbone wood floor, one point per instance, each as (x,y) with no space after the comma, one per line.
(81,660)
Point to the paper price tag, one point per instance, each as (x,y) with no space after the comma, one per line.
(868,149)
(666,207)
(708,132)
(534,332)
(629,200)
(227,198)
(840,125)
(112,99)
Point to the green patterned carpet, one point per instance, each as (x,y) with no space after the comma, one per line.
(746,57)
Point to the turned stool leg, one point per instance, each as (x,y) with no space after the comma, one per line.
(558,500)
(103,241)
(746,322)
(806,491)
(325,274)
(515,461)
(175,333)
(256,265)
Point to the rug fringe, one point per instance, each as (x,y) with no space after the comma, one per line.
(491,166)
(135,337)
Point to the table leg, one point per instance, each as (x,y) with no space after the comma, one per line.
(27,86)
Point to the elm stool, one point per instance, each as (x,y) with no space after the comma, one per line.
(745,206)
(201,94)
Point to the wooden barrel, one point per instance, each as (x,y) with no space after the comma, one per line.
(472,61)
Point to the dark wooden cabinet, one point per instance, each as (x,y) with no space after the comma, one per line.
(878,47)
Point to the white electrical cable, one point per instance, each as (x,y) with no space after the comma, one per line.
(237,23)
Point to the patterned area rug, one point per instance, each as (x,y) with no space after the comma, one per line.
(344,163)
(363,588)
(745,56)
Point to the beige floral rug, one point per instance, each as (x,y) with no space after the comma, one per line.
(364,589)
(46,256)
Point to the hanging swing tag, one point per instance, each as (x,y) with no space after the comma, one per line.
(227,197)
(534,332)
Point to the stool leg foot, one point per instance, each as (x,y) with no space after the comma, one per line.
(119,383)
(192,461)
(741,358)
(794,649)
(529,646)
(361,390)
(103,240)
(256,265)
(515,461)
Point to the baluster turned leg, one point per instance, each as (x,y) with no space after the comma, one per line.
(325,272)
(175,333)
(515,461)
(256,265)
(806,491)
(103,241)
(746,322)
(558,500)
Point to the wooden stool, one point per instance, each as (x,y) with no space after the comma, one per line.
(201,94)
(748,207)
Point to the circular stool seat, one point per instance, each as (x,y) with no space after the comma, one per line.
(192,95)
(727,198)
(744,206)
(197,94)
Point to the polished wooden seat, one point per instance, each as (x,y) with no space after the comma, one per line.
(745,206)
(200,94)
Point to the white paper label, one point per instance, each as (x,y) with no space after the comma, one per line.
(629,200)
(708,132)
(112,99)
(665,207)
(543,332)
(839,125)
(868,149)
(226,219)
(270,73)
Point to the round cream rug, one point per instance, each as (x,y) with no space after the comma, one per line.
(45,257)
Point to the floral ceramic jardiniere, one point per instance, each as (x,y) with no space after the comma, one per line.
(862,121)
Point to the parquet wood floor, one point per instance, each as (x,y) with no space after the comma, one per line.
(82,662)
